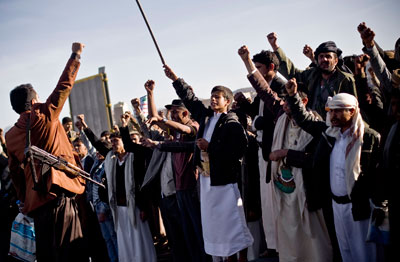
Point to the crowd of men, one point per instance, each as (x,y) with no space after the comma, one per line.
(305,171)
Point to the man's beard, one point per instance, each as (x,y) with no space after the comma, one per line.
(326,71)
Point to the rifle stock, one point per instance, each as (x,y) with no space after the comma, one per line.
(61,164)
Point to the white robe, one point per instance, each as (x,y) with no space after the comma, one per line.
(301,235)
(135,243)
(267,209)
(224,225)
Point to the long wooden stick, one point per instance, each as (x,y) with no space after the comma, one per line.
(151,32)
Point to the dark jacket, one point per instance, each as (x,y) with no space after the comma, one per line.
(363,188)
(48,134)
(339,82)
(263,122)
(228,142)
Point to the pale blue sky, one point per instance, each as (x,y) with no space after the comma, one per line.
(199,40)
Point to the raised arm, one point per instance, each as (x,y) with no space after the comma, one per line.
(305,119)
(57,98)
(286,66)
(141,119)
(93,139)
(377,63)
(271,99)
(80,124)
(308,52)
(186,94)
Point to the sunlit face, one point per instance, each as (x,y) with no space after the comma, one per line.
(99,156)
(36,99)
(81,149)
(327,62)
(117,145)
(341,117)
(105,138)
(265,71)
(135,138)
(286,108)
(218,102)
(178,114)
(67,126)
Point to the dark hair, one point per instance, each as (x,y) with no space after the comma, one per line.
(115,135)
(78,140)
(227,93)
(349,62)
(66,120)
(21,98)
(267,58)
(302,94)
(105,133)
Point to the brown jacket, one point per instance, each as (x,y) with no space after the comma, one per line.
(48,134)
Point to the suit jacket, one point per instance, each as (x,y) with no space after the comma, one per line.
(228,142)
(364,188)
(265,122)
(48,134)
(339,82)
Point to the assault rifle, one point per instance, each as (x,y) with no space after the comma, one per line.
(60,164)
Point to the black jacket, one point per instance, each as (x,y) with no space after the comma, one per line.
(363,188)
(228,142)
(264,122)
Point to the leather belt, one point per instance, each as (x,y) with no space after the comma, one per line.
(341,199)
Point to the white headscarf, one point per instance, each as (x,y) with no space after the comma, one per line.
(353,149)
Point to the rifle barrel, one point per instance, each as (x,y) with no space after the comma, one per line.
(62,164)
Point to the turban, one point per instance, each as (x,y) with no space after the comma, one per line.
(356,133)
(327,47)
(341,100)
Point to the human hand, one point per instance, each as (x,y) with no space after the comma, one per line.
(125,119)
(240,98)
(272,38)
(278,154)
(308,52)
(169,73)
(360,62)
(367,35)
(21,206)
(147,142)
(153,120)
(371,71)
(115,129)
(149,86)
(136,105)
(244,53)
(202,144)
(77,48)
(78,125)
(81,119)
(291,87)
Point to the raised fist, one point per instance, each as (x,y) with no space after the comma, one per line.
(135,103)
(244,53)
(272,38)
(239,97)
(308,52)
(77,48)
(169,73)
(291,87)
(149,85)
(367,35)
